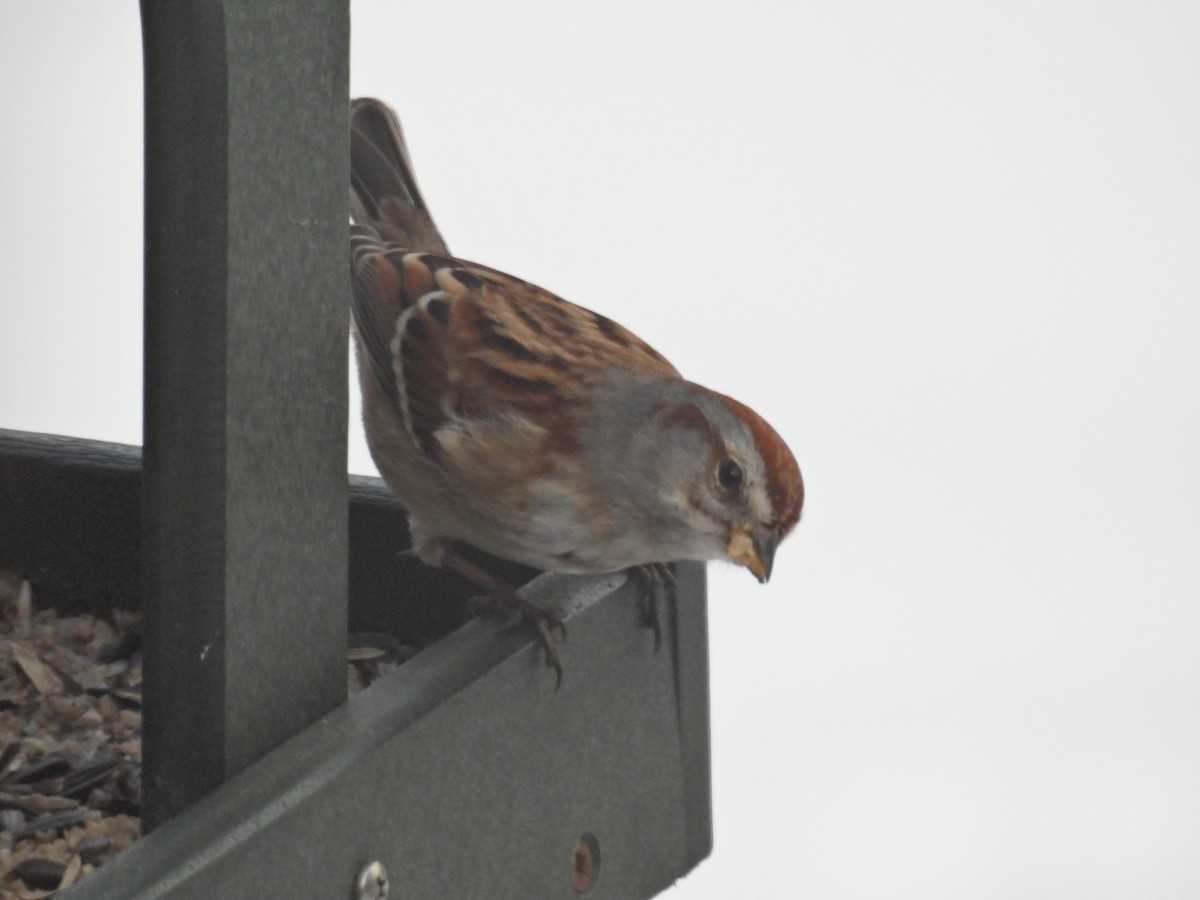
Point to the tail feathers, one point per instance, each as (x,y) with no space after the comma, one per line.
(383,190)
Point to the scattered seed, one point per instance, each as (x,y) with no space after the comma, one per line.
(70,737)
(8,754)
(107,706)
(92,849)
(72,873)
(90,718)
(39,872)
(52,765)
(24,611)
(42,803)
(39,674)
(51,823)
(80,782)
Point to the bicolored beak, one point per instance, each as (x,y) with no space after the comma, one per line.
(753,548)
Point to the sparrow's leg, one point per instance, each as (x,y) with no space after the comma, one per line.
(499,593)
(658,582)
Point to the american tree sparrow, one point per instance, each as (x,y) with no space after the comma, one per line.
(508,419)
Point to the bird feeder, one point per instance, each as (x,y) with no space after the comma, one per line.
(463,772)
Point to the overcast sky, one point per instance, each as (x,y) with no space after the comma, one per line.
(951,251)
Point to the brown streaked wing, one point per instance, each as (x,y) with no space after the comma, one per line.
(519,347)
(375,304)
(488,343)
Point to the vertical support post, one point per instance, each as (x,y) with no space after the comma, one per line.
(244,503)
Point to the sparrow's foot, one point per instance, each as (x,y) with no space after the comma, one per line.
(500,595)
(658,584)
(543,621)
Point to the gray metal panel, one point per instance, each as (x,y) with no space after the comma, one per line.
(245,382)
(622,750)
(467,775)
(70,521)
(464,772)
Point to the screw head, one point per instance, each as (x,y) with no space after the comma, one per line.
(372,882)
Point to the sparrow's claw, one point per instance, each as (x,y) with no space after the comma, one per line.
(543,621)
(551,649)
(657,580)
(540,617)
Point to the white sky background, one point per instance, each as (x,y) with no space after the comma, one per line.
(952,252)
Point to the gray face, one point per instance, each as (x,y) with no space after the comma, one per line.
(674,456)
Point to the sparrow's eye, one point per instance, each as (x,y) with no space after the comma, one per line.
(729,475)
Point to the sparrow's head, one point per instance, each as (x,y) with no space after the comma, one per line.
(725,485)
(752,487)
(759,484)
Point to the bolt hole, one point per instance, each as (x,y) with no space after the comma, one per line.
(585,863)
